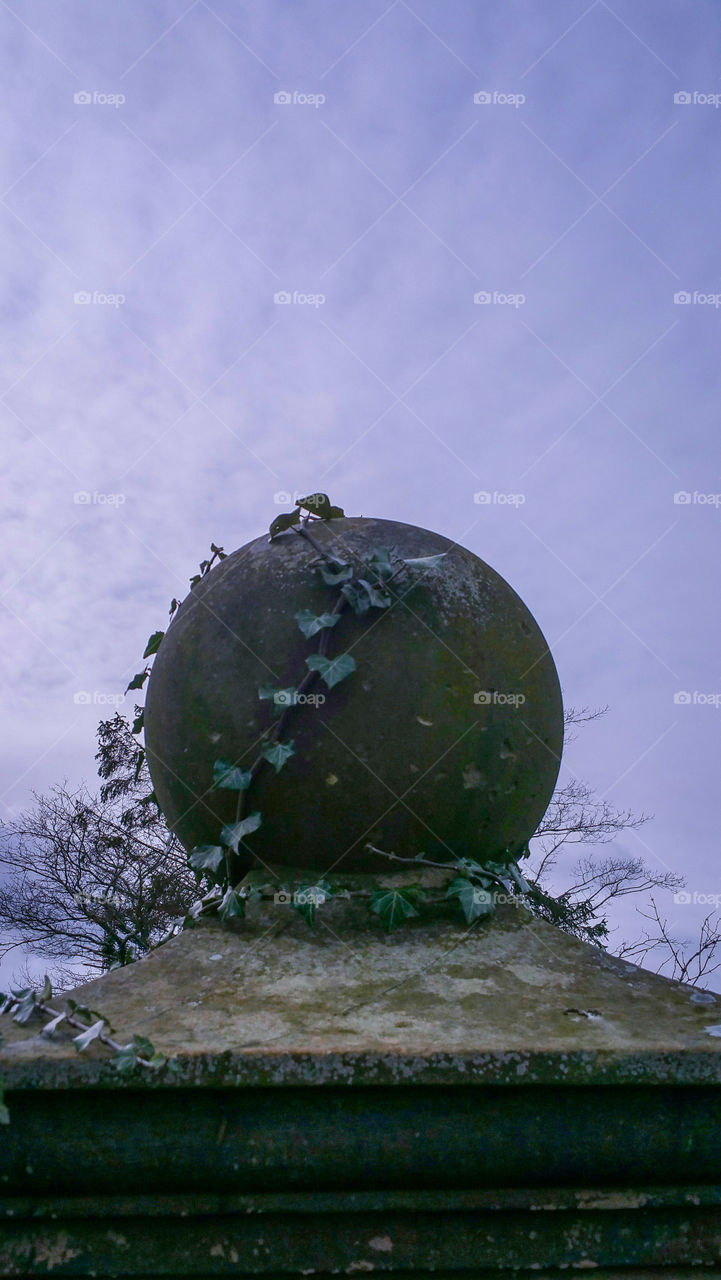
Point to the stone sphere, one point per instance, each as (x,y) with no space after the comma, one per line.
(446,739)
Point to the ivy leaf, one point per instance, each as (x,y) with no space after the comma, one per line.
(4,1113)
(153,644)
(380,561)
(194,580)
(138,722)
(335,572)
(87,1015)
(357,597)
(395,905)
(174,604)
(308,897)
(86,1037)
(49,1027)
(46,991)
(230,777)
(207,857)
(276,753)
(332,670)
(235,831)
(232,906)
(283,522)
(310,623)
(125,1059)
(139,764)
(317,503)
(267,691)
(378,598)
(474,901)
(138,681)
(427,562)
(519,880)
(336,513)
(26,1006)
(218,551)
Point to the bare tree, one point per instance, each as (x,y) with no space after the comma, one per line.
(93,881)
(681,959)
(576,816)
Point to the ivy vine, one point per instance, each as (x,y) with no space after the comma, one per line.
(218,866)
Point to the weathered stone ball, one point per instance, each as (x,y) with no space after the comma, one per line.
(446,739)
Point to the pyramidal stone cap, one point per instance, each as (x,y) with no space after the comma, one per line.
(274,1002)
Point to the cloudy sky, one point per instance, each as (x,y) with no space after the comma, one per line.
(498,227)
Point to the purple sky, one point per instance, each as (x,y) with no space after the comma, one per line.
(181,198)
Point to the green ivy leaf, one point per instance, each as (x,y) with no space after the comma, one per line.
(139,764)
(153,644)
(357,597)
(174,604)
(427,562)
(4,1113)
(276,753)
(332,670)
(336,513)
(380,561)
(26,1005)
(283,522)
(335,572)
(474,901)
(317,503)
(232,906)
(138,681)
(207,857)
(308,897)
(235,831)
(395,905)
(46,991)
(229,777)
(126,1059)
(139,721)
(49,1027)
(378,598)
(87,1015)
(310,623)
(86,1037)
(519,880)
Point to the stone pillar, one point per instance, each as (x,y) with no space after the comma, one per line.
(492,1101)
